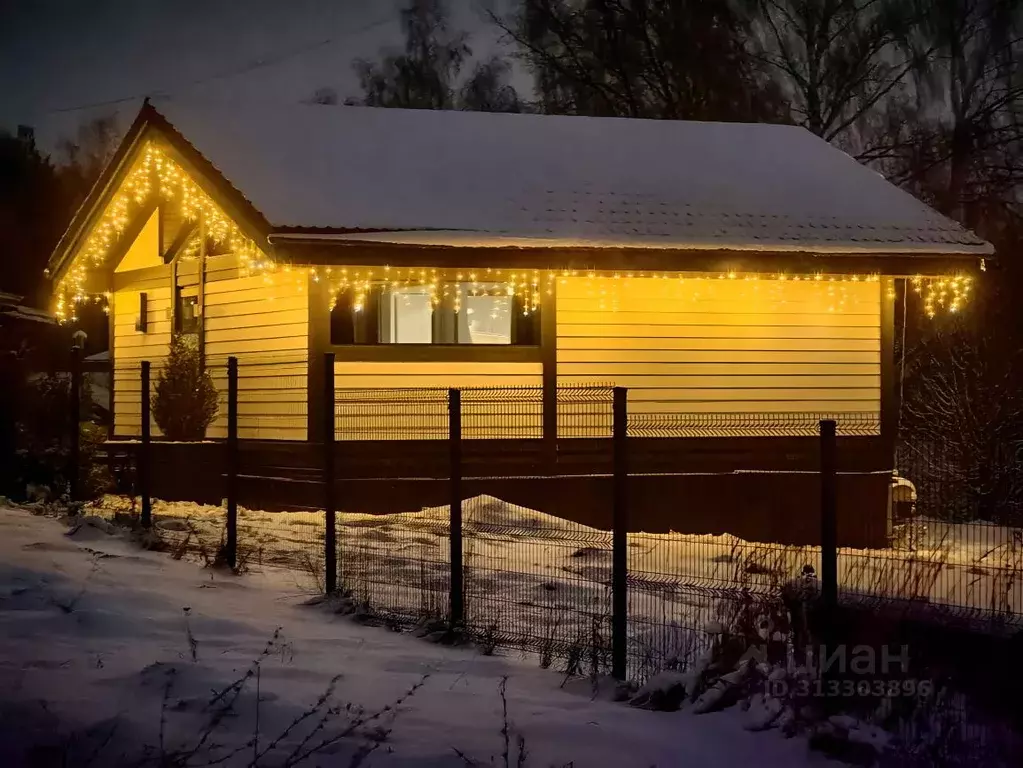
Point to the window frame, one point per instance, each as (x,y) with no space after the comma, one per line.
(356,350)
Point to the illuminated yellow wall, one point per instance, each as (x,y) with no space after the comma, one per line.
(263,321)
(145,251)
(724,346)
(264,324)
(131,347)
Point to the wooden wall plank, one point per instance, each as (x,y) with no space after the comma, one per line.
(397,417)
(265,325)
(722,346)
(131,347)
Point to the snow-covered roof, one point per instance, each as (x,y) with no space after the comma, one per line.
(458,178)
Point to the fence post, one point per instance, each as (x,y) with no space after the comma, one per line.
(231,548)
(143,468)
(330,534)
(620,539)
(76,419)
(457,606)
(829,533)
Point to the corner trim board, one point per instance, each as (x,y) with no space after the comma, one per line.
(318,344)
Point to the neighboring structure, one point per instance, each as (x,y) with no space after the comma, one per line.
(25,329)
(14,312)
(742,277)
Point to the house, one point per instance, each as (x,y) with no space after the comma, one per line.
(740,280)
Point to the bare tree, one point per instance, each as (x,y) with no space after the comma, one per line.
(963,152)
(424,75)
(963,426)
(82,158)
(837,60)
(488,89)
(672,59)
(427,74)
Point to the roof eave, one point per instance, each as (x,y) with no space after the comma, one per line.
(433,238)
(340,251)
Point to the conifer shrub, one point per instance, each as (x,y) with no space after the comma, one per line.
(185,399)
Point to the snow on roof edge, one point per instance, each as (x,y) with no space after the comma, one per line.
(463,239)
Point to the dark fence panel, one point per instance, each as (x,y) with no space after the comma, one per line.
(723,511)
(535,581)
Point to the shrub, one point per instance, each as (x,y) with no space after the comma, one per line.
(35,432)
(185,400)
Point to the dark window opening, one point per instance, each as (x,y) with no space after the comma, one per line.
(186,313)
(142,321)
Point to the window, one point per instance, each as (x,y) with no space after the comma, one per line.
(142,321)
(407,316)
(486,315)
(186,312)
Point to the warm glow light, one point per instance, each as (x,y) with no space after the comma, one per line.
(155,173)
(942,293)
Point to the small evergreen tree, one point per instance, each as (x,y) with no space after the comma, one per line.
(185,400)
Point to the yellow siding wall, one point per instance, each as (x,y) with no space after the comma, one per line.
(724,346)
(264,323)
(367,412)
(131,347)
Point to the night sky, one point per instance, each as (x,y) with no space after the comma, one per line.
(59,55)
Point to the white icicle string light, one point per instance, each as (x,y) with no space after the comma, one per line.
(154,172)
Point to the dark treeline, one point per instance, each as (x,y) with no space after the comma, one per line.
(39,194)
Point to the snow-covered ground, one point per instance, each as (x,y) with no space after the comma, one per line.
(541,583)
(109,652)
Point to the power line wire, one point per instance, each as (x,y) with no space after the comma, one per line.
(235,72)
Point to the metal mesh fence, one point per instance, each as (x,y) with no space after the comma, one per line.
(502,413)
(956,536)
(536,527)
(748,424)
(396,565)
(585,411)
(496,413)
(391,414)
(290,540)
(538,582)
